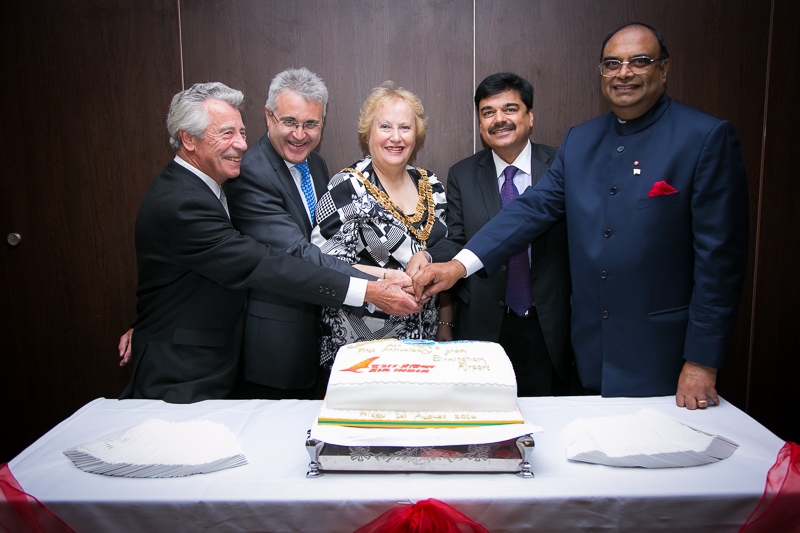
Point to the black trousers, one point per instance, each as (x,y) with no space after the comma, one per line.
(523,341)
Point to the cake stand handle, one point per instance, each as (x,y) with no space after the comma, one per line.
(313,447)
(525,445)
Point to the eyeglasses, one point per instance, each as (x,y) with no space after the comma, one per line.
(310,127)
(638,65)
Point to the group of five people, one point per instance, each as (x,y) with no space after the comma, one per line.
(621,253)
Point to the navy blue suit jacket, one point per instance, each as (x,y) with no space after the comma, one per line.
(655,280)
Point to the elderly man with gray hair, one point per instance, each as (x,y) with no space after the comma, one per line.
(195,268)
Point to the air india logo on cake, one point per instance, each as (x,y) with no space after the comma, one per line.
(357,368)
(367,364)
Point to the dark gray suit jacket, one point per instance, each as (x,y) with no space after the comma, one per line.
(473,198)
(281,338)
(194,272)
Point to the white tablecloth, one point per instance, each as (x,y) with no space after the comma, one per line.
(271,493)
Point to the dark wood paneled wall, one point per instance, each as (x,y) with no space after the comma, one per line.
(91,81)
(83,107)
(775,362)
(425,47)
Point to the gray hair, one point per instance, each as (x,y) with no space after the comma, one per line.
(187,112)
(303,82)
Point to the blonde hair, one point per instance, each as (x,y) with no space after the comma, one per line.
(378,98)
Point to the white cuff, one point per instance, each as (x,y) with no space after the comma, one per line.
(470,261)
(356,292)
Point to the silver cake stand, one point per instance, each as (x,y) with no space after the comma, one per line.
(511,456)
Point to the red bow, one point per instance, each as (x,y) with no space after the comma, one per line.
(430,516)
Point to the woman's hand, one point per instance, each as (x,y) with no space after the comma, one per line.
(386,273)
(398,274)
(418,260)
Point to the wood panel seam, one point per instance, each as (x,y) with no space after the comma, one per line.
(759,206)
(180,44)
(474,72)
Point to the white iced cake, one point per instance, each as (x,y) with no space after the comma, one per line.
(421,384)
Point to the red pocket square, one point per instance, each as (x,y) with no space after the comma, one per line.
(660,188)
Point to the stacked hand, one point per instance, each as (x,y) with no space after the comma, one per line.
(436,277)
(390,297)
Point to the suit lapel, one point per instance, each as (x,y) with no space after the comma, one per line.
(195,181)
(487,182)
(286,180)
(540,161)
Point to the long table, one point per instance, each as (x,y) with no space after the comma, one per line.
(272,492)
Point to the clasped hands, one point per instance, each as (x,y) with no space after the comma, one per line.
(432,278)
(419,283)
(428,279)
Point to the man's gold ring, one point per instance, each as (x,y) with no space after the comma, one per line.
(702,401)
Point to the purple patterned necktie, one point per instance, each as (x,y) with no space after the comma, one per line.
(518,284)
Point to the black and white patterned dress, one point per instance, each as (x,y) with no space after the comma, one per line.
(353,226)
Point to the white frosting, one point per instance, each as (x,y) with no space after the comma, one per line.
(395,375)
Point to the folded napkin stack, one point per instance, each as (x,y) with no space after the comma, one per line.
(647,439)
(156,449)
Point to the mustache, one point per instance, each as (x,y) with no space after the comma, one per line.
(501,126)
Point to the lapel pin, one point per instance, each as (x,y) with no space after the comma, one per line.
(637,171)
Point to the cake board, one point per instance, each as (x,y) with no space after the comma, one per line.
(507,456)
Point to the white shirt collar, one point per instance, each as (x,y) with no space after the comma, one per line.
(200,174)
(522,162)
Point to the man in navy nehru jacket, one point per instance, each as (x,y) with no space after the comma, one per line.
(655,198)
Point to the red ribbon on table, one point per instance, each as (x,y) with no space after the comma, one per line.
(426,516)
(779,508)
(22,513)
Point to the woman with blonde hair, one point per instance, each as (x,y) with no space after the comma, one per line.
(378,214)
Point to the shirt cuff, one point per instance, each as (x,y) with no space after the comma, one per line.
(470,261)
(356,292)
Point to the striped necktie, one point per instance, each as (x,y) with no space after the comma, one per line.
(224,201)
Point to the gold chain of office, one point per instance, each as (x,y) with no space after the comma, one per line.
(424,196)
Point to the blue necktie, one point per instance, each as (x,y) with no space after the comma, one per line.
(518,284)
(307,188)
